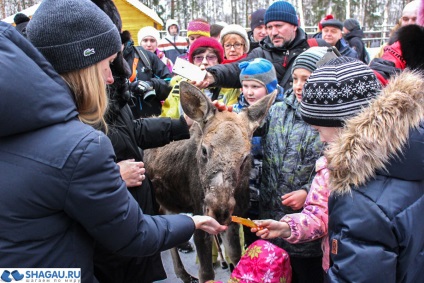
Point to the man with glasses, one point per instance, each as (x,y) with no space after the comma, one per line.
(284,43)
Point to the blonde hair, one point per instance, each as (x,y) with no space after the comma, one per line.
(90,95)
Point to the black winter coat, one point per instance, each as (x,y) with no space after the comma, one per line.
(282,58)
(157,73)
(354,38)
(128,138)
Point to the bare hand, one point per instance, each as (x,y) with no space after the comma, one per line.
(294,199)
(132,172)
(269,229)
(208,80)
(208,224)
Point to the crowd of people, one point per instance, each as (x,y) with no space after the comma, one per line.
(336,183)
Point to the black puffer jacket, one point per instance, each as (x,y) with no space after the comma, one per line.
(281,57)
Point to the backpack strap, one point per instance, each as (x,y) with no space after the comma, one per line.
(134,69)
(173,44)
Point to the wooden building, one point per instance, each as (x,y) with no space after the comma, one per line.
(136,15)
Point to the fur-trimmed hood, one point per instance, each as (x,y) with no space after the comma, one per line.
(379,140)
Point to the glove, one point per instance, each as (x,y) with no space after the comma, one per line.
(141,87)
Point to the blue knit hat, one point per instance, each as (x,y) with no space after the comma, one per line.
(281,11)
(260,70)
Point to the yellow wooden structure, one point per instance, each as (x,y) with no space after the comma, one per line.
(136,15)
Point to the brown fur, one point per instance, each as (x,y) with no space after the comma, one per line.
(378,133)
(209,173)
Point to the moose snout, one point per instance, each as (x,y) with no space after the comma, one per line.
(219,209)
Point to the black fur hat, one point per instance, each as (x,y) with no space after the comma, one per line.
(412,45)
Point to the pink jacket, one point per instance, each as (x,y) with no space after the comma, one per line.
(312,222)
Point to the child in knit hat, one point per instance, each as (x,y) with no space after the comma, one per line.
(196,29)
(334,92)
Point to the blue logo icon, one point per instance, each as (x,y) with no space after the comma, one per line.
(15,274)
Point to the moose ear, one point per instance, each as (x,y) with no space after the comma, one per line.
(255,113)
(195,103)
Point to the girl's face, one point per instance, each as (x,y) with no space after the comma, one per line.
(149,43)
(104,66)
(205,59)
(327,134)
(300,76)
(193,37)
(253,91)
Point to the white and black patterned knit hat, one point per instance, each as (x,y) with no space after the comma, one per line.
(336,91)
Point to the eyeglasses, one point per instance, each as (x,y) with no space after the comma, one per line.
(235,45)
(210,58)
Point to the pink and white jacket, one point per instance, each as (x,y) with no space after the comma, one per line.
(312,222)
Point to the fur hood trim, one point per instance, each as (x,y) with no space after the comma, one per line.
(377,134)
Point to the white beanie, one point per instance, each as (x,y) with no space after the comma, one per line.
(148,31)
(236,29)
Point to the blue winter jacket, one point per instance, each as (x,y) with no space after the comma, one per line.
(59,185)
(376,205)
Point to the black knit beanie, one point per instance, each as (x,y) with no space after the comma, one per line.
(336,91)
(73,34)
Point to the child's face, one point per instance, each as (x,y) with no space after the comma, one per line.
(253,91)
(300,76)
(149,43)
(192,38)
(327,134)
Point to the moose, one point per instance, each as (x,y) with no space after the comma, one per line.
(208,173)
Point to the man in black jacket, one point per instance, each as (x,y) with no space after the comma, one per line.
(149,75)
(285,41)
(353,35)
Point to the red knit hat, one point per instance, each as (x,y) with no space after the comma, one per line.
(328,17)
(206,42)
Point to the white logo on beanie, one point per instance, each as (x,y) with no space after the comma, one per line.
(89,52)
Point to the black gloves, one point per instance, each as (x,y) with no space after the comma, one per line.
(143,89)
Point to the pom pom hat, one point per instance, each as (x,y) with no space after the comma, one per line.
(73,34)
(260,70)
(281,11)
(336,91)
(332,23)
(206,42)
(327,17)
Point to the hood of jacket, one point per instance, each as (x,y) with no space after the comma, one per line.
(355,33)
(33,95)
(169,23)
(299,39)
(386,138)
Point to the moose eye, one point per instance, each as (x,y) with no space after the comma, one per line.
(204,152)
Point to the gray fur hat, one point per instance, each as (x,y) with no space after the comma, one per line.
(73,34)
